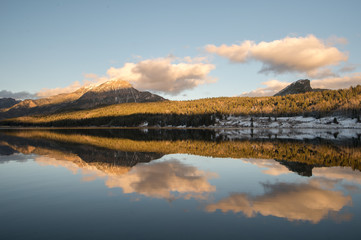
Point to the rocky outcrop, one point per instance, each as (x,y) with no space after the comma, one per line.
(300,86)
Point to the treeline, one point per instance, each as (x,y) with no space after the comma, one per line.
(133,120)
(345,102)
(321,154)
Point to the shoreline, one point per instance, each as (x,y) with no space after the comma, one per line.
(184,128)
(237,123)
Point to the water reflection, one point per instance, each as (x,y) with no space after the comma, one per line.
(341,174)
(306,201)
(311,152)
(165,180)
(313,185)
(270,166)
(168,180)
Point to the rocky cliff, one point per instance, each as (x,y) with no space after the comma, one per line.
(300,86)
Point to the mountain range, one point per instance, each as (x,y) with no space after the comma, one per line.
(108,93)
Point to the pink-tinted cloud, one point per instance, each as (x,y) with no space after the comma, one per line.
(168,75)
(46,92)
(164,74)
(168,180)
(308,55)
(306,202)
(338,82)
(272,87)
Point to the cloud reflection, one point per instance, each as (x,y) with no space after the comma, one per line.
(169,180)
(305,201)
(272,167)
(338,173)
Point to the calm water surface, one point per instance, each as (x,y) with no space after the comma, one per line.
(130,184)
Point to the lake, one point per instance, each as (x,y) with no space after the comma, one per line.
(179,184)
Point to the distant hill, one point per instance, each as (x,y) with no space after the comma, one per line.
(108,93)
(300,86)
(7,102)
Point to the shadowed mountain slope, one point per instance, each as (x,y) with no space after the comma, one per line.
(7,102)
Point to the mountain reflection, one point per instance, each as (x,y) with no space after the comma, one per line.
(135,164)
(168,180)
(297,155)
(293,201)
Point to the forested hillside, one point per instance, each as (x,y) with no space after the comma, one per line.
(345,102)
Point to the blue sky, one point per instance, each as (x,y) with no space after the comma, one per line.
(52,44)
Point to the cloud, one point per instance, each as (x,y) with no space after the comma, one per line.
(348,68)
(17,95)
(336,40)
(46,92)
(338,82)
(272,87)
(271,166)
(308,55)
(338,173)
(306,202)
(235,53)
(168,75)
(164,74)
(322,73)
(168,180)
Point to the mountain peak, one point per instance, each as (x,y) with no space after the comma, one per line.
(300,86)
(104,94)
(110,85)
(113,92)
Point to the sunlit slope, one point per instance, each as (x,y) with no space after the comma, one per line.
(345,102)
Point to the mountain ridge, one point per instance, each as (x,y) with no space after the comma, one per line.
(108,93)
(7,102)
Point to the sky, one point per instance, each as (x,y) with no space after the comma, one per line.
(179,49)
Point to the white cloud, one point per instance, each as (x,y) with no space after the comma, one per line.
(235,53)
(272,87)
(308,55)
(168,75)
(338,82)
(164,75)
(46,92)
